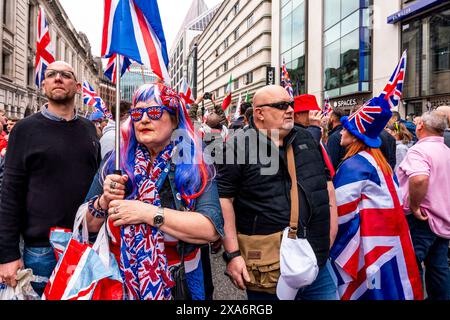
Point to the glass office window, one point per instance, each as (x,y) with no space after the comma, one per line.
(293,42)
(428,64)
(347,47)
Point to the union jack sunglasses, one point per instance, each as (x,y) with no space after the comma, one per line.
(153,112)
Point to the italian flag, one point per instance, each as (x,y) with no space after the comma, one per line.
(247,97)
(227,101)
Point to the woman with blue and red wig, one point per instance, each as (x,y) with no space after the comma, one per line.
(164,205)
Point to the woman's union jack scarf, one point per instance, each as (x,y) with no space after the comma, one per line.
(143,261)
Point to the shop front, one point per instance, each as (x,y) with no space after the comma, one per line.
(425,28)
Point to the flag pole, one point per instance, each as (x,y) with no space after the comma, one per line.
(117,123)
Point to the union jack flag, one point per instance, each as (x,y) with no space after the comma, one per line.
(133,29)
(43,50)
(327,106)
(286,80)
(373,256)
(393,90)
(111,69)
(92,99)
(362,117)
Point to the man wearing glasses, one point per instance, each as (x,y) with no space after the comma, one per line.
(52,157)
(256,203)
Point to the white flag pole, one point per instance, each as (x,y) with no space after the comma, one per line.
(117,116)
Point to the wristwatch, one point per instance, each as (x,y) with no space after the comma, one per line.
(158,218)
(228,256)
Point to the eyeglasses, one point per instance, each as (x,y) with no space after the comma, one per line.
(50,74)
(283,105)
(153,112)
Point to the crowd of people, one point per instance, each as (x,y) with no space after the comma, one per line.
(307,206)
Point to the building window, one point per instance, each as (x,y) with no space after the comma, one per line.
(8,13)
(249,50)
(225,43)
(293,42)
(225,66)
(236,59)
(248,78)
(217,72)
(31,26)
(216,95)
(236,84)
(216,52)
(347,47)
(7,67)
(250,21)
(236,8)
(236,34)
(428,44)
(30,75)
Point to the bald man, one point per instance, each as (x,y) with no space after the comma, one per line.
(51,160)
(256,202)
(446,110)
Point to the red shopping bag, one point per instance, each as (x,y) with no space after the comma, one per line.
(85,272)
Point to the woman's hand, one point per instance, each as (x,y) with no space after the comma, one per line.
(128,212)
(113,189)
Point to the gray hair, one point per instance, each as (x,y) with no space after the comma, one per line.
(435,121)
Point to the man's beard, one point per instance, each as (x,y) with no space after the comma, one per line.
(61,98)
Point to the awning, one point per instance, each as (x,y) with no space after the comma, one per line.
(413,9)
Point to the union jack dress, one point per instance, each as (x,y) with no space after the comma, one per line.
(373,256)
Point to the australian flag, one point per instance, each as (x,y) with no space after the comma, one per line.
(373,256)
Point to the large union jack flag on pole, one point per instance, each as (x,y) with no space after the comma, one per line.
(286,80)
(111,69)
(133,28)
(372,256)
(43,48)
(92,99)
(393,90)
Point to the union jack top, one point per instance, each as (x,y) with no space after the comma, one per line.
(43,48)
(373,256)
(393,90)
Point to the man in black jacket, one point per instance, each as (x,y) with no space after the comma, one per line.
(51,160)
(335,150)
(388,148)
(255,195)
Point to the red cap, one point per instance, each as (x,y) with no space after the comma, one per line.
(305,102)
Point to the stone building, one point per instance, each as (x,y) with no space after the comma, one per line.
(18,93)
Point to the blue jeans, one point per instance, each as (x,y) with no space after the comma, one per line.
(432,250)
(323,288)
(42,261)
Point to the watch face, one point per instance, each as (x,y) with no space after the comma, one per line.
(158,220)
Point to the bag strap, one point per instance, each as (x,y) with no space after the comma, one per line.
(293,224)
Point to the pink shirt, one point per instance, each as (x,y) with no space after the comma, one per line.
(431,157)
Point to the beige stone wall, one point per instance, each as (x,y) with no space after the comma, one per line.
(212,53)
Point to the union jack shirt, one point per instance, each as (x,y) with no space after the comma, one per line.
(373,256)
